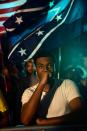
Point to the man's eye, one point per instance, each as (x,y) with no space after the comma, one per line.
(40,67)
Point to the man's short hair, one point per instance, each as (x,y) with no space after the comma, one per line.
(38,55)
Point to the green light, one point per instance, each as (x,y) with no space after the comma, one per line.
(51,4)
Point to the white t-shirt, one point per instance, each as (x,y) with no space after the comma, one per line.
(60,102)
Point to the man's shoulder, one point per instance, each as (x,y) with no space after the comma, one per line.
(67,81)
(32,88)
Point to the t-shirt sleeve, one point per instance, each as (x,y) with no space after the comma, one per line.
(26,96)
(71,90)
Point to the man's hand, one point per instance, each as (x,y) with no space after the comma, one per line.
(47,121)
(40,121)
(44,78)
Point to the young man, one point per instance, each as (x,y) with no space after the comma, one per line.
(50,103)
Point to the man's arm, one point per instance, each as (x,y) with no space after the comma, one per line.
(29,110)
(77,108)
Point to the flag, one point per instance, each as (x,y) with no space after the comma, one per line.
(7,9)
(59,23)
(27,19)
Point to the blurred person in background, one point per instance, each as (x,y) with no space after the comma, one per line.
(4,112)
(78,75)
(31,78)
(9,87)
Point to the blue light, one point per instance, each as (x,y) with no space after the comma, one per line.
(12,4)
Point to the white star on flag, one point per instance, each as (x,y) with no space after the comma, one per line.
(58,17)
(19,20)
(40,33)
(22,51)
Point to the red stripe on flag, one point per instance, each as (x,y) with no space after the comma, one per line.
(2,27)
(2,30)
(3,18)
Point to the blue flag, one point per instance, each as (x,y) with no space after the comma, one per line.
(45,28)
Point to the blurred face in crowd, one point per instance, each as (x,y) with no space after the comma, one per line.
(84,82)
(5,71)
(44,64)
(30,67)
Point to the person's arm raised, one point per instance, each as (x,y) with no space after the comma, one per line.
(30,109)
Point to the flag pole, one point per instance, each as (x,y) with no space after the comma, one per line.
(59,63)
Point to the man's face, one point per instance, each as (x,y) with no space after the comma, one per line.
(44,64)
